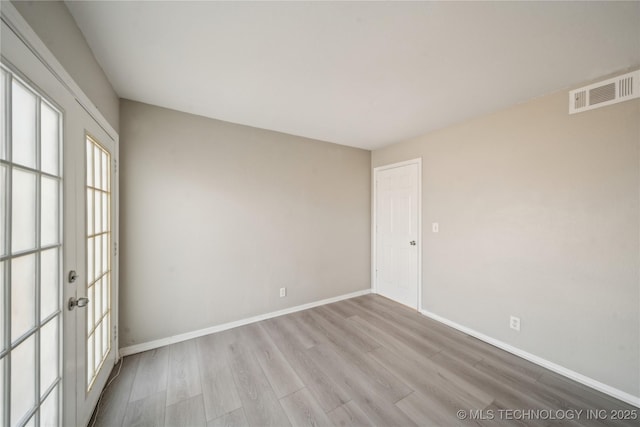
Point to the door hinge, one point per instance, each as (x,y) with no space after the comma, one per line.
(115,332)
(115,166)
(115,248)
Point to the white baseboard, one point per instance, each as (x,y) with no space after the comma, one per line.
(150,345)
(589,382)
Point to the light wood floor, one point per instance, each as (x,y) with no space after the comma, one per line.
(364,361)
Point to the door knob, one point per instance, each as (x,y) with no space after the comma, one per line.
(412,243)
(80,302)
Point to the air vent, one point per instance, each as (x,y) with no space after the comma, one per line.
(602,94)
(580,99)
(625,86)
(606,92)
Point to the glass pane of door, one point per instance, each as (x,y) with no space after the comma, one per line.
(30,265)
(99,228)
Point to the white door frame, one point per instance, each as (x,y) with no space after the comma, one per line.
(14,20)
(374,232)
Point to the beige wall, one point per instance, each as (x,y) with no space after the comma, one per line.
(216,217)
(539,218)
(55,26)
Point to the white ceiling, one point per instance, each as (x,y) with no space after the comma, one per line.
(364,74)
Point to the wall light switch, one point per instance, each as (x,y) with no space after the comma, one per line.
(435,227)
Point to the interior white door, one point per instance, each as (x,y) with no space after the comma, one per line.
(396,216)
(44,378)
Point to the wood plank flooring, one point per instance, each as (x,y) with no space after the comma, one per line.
(363,361)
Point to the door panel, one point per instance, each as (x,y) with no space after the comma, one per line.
(397,233)
(30,271)
(95,334)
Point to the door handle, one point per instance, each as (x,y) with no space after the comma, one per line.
(80,302)
(412,243)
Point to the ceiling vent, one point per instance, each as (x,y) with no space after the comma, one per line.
(606,92)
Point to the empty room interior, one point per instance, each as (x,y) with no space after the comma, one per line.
(319,213)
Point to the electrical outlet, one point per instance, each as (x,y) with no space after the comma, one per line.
(283,292)
(514,323)
(435,227)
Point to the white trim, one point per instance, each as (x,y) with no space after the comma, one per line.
(150,345)
(23,30)
(573,375)
(374,233)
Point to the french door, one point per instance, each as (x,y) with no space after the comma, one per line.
(57,228)
(95,329)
